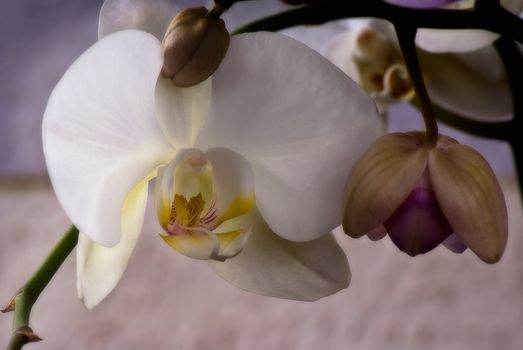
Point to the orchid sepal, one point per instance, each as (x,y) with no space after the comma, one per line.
(425,196)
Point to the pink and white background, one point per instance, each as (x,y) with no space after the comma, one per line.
(167,301)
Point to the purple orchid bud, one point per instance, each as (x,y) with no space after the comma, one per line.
(426,195)
(418,225)
(421,4)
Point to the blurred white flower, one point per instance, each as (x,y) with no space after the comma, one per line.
(462,40)
(473,84)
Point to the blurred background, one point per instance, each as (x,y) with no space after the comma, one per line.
(166,301)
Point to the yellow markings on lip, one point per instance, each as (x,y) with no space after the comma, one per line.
(240,205)
(186,213)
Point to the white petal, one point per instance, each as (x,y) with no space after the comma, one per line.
(300,122)
(472,84)
(454,40)
(100,135)
(272,266)
(151,16)
(182,111)
(462,40)
(233,183)
(100,268)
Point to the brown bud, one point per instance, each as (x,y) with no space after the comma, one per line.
(193,47)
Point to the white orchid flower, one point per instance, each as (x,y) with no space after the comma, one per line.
(151,16)
(472,84)
(462,40)
(249,167)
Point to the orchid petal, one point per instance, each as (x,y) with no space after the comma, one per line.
(461,40)
(381,180)
(272,266)
(377,233)
(100,136)
(468,84)
(151,16)
(422,4)
(471,199)
(454,40)
(164,190)
(182,111)
(454,244)
(303,143)
(194,245)
(233,183)
(341,50)
(99,268)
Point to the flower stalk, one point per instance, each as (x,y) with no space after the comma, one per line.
(25,298)
(499,20)
(406,36)
(512,58)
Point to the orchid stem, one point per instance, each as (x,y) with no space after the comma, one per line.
(497,19)
(512,58)
(24,300)
(489,130)
(406,36)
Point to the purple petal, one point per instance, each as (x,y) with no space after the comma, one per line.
(454,244)
(421,4)
(418,225)
(377,233)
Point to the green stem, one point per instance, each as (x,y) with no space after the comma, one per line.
(29,293)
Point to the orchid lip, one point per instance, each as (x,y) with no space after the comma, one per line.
(418,225)
(195,207)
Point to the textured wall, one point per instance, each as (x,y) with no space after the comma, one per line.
(167,301)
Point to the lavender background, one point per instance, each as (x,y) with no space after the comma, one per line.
(167,301)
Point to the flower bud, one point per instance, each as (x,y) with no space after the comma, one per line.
(369,53)
(426,195)
(193,47)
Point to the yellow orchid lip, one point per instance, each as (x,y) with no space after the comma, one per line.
(193,206)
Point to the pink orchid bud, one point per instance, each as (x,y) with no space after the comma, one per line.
(194,46)
(422,4)
(423,196)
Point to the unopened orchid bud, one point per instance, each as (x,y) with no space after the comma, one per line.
(369,53)
(193,47)
(426,195)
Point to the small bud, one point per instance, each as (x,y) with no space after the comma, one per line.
(193,47)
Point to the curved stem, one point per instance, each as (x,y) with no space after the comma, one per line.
(24,300)
(512,58)
(497,19)
(490,130)
(406,36)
